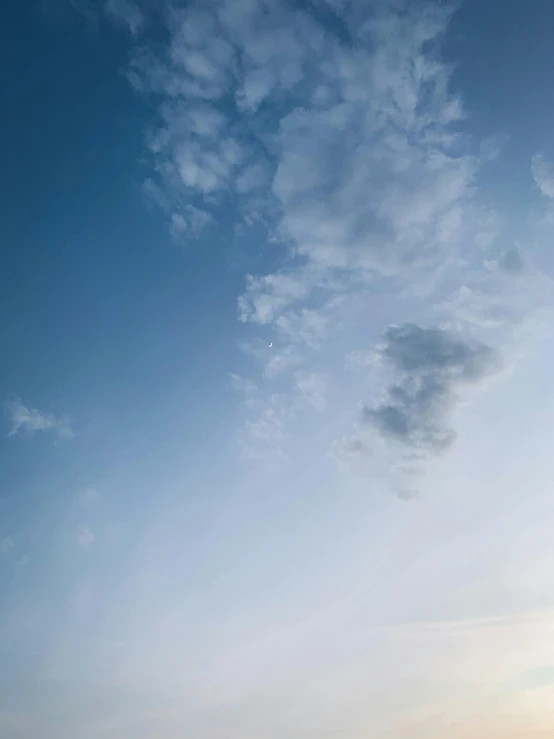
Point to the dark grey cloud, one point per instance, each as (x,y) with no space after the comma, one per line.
(429,366)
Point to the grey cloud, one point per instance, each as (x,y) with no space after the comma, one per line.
(359,172)
(85,537)
(429,366)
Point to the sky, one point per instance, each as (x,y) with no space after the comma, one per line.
(275,450)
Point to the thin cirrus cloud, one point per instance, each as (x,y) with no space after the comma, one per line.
(27,420)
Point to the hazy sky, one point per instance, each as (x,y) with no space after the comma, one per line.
(347,533)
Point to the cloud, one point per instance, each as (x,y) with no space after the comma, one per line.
(6,544)
(543,174)
(30,420)
(429,366)
(85,537)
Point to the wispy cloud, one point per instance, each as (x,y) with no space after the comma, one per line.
(24,419)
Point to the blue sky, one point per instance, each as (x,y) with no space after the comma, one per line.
(276,364)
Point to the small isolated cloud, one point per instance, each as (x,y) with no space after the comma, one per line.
(29,420)
(429,365)
(86,538)
(543,174)
(6,544)
(127,13)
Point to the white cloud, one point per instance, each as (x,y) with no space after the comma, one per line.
(29,420)
(85,537)
(247,388)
